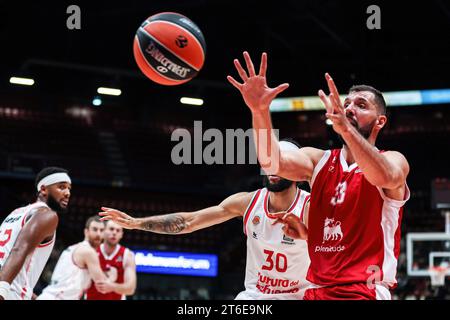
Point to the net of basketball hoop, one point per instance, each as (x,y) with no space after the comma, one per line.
(437,275)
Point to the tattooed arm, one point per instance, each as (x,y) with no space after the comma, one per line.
(183,222)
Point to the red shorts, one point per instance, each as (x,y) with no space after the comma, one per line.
(354,291)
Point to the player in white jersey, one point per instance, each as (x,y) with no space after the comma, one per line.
(276,264)
(27,235)
(77,266)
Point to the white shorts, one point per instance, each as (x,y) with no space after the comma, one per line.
(46,296)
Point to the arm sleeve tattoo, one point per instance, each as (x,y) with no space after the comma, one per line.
(169,224)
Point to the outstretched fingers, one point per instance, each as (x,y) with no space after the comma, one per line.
(113,213)
(331,85)
(326,102)
(334,94)
(281,87)
(276,91)
(263,65)
(337,106)
(240,70)
(116,219)
(122,220)
(250,67)
(235,84)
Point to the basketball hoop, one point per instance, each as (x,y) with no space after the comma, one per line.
(437,276)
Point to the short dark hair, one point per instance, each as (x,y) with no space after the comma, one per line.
(92,219)
(379,99)
(48,171)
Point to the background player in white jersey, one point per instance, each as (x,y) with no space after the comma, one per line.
(27,235)
(276,264)
(77,265)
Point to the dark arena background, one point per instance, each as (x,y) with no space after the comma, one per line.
(118,148)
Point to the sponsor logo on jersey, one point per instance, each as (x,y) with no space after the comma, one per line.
(256,220)
(268,285)
(332,230)
(12,219)
(254,235)
(329,248)
(287,240)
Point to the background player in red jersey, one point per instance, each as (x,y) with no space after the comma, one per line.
(119,265)
(357,192)
(77,266)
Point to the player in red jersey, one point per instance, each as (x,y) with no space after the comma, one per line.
(119,265)
(357,192)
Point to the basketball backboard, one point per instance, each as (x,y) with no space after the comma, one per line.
(425,250)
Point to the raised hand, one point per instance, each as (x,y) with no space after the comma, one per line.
(333,105)
(119,217)
(254,89)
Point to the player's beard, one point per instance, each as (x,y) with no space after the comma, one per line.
(279,186)
(95,242)
(54,205)
(364,131)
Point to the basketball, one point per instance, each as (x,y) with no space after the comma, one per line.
(169,48)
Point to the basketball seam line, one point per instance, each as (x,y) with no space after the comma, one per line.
(170,51)
(189,31)
(195,39)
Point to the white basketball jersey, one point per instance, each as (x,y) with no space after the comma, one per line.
(22,286)
(276,264)
(68,279)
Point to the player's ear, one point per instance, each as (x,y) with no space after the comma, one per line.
(44,191)
(380,122)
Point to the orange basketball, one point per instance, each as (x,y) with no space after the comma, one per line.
(169,48)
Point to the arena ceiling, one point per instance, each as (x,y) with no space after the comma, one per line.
(304,39)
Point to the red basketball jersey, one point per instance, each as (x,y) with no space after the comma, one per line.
(354,227)
(113,266)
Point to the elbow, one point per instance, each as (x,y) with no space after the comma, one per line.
(130,291)
(387,180)
(271,168)
(378,182)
